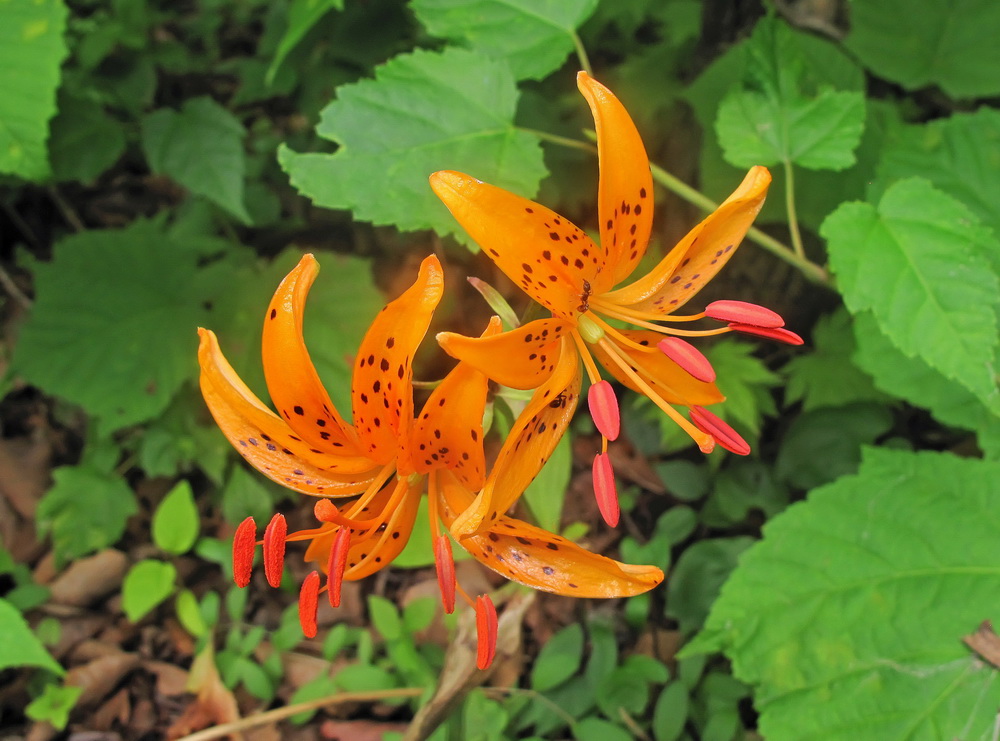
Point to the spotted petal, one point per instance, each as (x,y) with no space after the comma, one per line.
(292,380)
(696,259)
(533,437)
(449,431)
(625,193)
(545,561)
(548,256)
(521,358)
(266,440)
(674,384)
(382,385)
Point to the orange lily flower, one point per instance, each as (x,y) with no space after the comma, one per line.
(561,268)
(388,459)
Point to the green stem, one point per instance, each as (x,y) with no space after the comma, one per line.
(581,54)
(793,218)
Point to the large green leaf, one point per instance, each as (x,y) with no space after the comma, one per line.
(951,43)
(959,154)
(201,147)
(423,112)
(919,264)
(770,119)
(916,382)
(113,325)
(534,36)
(18,645)
(848,616)
(31,50)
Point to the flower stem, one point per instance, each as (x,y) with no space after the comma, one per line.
(793,218)
(581,54)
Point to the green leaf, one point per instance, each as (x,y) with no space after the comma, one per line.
(771,120)
(823,445)
(670,712)
(147,584)
(745,380)
(918,263)
(826,377)
(950,44)
(248,494)
(112,328)
(959,154)
(559,659)
(533,36)
(699,574)
(364,678)
(315,688)
(85,510)
(189,613)
(85,141)
(175,521)
(546,493)
(18,645)
(597,729)
(419,613)
(484,719)
(54,705)
(423,112)
(301,16)
(201,147)
(913,380)
(848,616)
(743,485)
(31,51)
(385,617)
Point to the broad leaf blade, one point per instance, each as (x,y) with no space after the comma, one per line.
(423,112)
(848,616)
(18,645)
(919,264)
(534,36)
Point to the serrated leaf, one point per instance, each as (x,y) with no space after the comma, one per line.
(848,616)
(826,377)
(423,112)
(950,44)
(175,521)
(18,645)
(85,141)
(918,264)
(112,328)
(959,154)
(201,147)
(771,120)
(545,495)
(533,36)
(146,585)
(84,510)
(31,51)
(913,380)
(559,658)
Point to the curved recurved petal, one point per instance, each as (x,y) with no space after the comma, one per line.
(382,385)
(696,259)
(448,433)
(548,256)
(292,380)
(521,358)
(674,384)
(531,440)
(625,195)
(266,440)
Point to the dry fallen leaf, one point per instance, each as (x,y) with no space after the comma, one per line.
(214,703)
(87,580)
(99,676)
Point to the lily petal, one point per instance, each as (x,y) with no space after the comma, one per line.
(625,193)
(521,358)
(548,256)
(292,381)
(266,440)
(699,255)
(449,431)
(382,385)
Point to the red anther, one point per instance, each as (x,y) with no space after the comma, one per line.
(445,565)
(336,565)
(604,409)
(742,312)
(274,549)
(605,490)
(772,333)
(244,545)
(725,435)
(486,631)
(308,604)
(688,357)
(325,511)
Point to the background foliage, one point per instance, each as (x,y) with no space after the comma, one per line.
(162,165)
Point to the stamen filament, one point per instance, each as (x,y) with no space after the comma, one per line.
(588,361)
(615,314)
(629,313)
(620,338)
(402,488)
(373,488)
